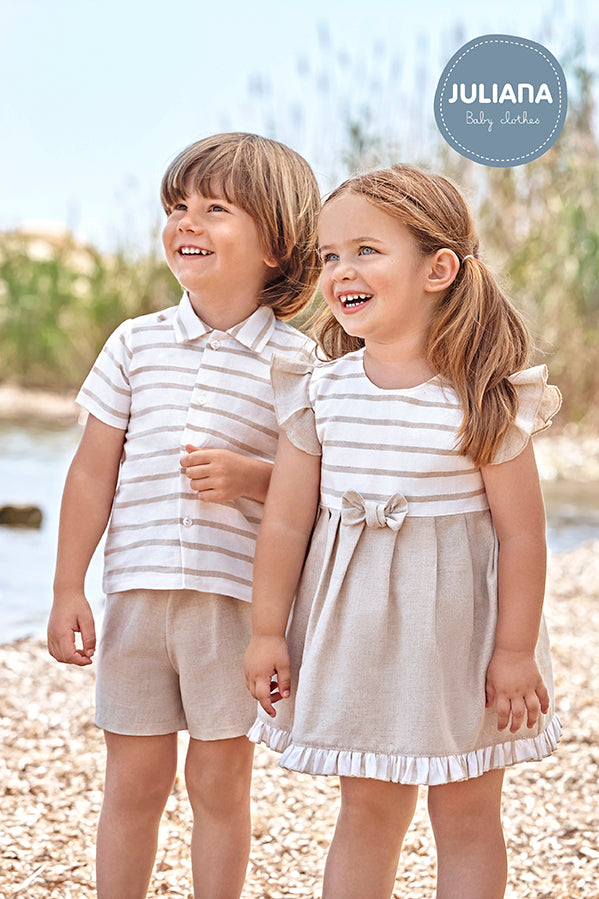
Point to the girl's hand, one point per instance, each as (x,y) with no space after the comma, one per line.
(266,666)
(221,476)
(515,684)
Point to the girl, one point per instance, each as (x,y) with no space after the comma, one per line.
(417,649)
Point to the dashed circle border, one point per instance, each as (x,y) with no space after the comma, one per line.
(479,42)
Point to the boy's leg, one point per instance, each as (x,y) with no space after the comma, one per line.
(372,823)
(218,775)
(140,772)
(466,821)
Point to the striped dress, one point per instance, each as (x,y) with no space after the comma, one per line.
(393,625)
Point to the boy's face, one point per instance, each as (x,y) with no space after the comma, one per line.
(214,250)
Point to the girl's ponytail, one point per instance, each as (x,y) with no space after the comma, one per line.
(476,341)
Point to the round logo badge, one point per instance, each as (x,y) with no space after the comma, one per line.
(501,100)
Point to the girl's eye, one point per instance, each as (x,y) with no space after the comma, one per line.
(330,257)
(366,251)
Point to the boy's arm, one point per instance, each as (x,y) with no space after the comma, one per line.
(221,475)
(85,510)
(289,515)
(516,502)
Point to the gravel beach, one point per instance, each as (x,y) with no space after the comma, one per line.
(51,773)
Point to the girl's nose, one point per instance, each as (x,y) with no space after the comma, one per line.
(344,271)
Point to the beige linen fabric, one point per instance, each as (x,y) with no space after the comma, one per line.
(393,626)
(169,380)
(173,660)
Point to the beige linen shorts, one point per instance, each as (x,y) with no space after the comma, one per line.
(172,660)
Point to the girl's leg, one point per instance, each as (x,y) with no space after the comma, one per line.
(218,775)
(466,821)
(140,772)
(371,826)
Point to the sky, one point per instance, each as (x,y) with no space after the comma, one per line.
(97,98)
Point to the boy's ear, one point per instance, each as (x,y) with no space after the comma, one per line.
(444,266)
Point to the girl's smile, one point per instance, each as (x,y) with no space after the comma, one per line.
(374,277)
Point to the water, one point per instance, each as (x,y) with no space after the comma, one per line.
(33,466)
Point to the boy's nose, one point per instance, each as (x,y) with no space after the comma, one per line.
(187,223)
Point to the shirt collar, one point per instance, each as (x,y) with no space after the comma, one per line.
(254,332)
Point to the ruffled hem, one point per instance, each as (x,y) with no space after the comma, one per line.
(406,769)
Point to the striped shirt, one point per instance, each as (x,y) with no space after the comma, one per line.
(380,442)
(168,380)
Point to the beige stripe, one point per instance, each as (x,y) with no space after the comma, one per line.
(104,376)
(200,522)
(105,406)
(238,375)
(230,416)
(223,391)
(389,472)
(202,547)
(172,369)
(194,572)
(231,441)
(384,423)
(431,451)
(396,398)
(435,498)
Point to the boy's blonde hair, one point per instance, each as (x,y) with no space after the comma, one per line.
(476,339)
(274,185)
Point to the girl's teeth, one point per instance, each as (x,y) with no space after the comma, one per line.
(356,299)
(192,251)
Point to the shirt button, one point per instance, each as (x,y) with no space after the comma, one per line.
(202,400)
(214,344)
(187,521)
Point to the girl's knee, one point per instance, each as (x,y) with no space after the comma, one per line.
(468,809)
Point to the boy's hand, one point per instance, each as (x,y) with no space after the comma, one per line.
(515,684)
(67,618)
(266,666)
(221,476)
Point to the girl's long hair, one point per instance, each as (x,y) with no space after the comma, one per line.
(476,338)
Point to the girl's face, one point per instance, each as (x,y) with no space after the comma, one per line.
(374,274)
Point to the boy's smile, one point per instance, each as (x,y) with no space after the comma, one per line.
(214,250)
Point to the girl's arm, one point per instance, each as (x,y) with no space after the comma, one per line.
(514,682)
(85,510)
(289,515)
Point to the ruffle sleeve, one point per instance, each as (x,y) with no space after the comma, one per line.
(291,384)
(538,402)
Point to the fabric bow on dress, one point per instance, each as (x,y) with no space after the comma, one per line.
(356,510)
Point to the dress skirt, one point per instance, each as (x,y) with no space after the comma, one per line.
(391,634)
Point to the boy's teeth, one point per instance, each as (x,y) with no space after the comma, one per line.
(355,299)
(193,251)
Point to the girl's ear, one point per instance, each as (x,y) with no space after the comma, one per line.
(444,266)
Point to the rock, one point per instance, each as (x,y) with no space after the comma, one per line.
(22,516)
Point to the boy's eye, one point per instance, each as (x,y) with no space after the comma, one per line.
(179,207)
(367,251)
(216,207)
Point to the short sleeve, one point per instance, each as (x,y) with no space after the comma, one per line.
(290,379)
(106,392)
(538,402)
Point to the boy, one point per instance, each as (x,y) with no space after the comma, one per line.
(177,453)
